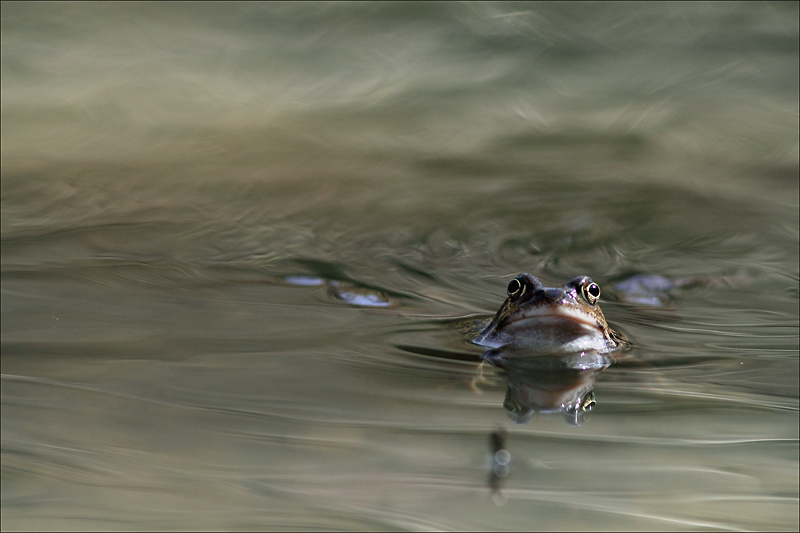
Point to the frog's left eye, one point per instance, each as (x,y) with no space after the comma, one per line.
(591,292)
(516,288)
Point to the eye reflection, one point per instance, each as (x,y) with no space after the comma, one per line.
(588,402)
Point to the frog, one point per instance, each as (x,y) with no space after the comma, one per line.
(551,320)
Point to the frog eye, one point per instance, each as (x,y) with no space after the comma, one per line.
(516,289)
(591,292)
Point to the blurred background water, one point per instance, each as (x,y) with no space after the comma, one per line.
(243,246)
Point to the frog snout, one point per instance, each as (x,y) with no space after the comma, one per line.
(553,294)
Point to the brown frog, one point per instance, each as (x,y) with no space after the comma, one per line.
(551,319)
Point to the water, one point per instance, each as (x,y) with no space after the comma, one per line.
(243,248)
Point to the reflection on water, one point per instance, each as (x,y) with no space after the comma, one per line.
(548,383)
(245,246)
(500,465)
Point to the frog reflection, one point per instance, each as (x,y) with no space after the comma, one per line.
(548,383)
(551,342)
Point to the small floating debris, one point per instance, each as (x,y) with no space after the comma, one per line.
(344,291)
(306,281)
(657,291)
(358,295)
(647,289)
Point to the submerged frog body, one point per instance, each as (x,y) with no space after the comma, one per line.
(550,319)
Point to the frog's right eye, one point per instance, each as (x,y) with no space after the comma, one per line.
(590,291)
(516,288)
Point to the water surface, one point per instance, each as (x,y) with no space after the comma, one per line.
(244,246)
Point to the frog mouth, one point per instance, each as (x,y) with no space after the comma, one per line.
(552,317)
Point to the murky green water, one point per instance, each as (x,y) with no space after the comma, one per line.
(243,247)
